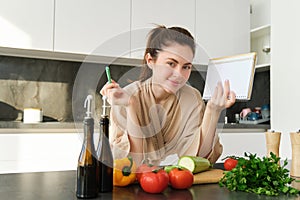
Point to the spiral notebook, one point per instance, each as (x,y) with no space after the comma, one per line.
(238,69)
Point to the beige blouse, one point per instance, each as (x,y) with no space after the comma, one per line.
(171,126)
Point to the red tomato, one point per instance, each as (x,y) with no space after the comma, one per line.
(154,182)
(230,163)
(143,169)
(181,178)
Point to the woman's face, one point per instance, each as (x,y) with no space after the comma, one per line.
(173,66)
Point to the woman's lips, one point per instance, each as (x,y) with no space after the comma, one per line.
(174,83)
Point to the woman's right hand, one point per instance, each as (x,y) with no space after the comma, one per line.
(222,97)
(115,94)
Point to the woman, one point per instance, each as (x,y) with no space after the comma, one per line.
(160,115)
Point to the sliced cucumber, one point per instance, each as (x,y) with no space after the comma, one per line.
(194,163)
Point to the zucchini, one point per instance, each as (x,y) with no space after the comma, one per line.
(194,163)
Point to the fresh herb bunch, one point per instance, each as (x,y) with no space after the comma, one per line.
(261,176)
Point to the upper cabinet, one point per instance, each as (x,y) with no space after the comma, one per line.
(27,24)
(260,13)
(260,31)
(96,27)
(222,28)
(118,28)
(147,14)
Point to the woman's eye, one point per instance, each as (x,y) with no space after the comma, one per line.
(187,67)
(171,64)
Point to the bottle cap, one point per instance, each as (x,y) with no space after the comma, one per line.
(105,106)
(87,105)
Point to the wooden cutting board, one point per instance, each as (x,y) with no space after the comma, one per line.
(210,176)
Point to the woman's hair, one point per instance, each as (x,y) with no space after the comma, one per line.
(160,37)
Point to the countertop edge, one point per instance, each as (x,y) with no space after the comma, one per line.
(38,130)
(71,127)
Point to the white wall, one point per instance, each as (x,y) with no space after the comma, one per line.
(285,70)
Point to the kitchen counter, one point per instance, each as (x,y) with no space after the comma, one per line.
(40,125)
(61,186)
(20,127)
(247,126)
(241,128)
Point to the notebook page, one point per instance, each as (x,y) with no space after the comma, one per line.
(239,70)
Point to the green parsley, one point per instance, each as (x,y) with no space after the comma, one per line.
(261,176)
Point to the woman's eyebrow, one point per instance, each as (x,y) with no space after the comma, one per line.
(188,63)
(174,60)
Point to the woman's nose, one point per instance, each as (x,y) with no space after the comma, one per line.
(177,71)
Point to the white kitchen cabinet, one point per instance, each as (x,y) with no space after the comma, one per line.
(96,27)
(260,43)
(146,14)
(222,28)
(119,28)
(260,31)
(37,152)
(260,13)
(27,24)
(237,143)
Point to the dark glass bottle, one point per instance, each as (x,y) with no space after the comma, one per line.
(104,155)
(87,162)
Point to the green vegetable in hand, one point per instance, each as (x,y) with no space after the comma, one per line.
(260,176)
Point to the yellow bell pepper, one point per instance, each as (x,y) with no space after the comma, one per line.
(124,171)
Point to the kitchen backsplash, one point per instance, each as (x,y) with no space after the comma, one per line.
(260,95)
(37,83)
(48,84)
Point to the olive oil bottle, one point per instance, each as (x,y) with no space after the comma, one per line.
(104,154)
(87,161)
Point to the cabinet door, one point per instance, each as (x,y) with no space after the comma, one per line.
(97,27)
(260,30)
(27,24)
(146,14)
(238,143)
(42,151)
(260,13)
(222,28)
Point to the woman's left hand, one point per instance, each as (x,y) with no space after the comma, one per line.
(222,97)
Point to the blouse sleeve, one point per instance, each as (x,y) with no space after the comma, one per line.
(118,136)
(216,150)
(192,137)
